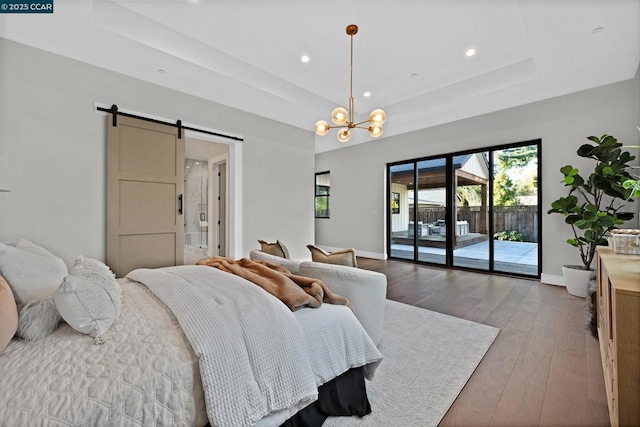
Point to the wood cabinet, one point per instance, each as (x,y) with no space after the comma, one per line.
(618,304)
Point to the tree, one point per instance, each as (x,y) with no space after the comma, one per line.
(517,157)
(505,192)
(512,162)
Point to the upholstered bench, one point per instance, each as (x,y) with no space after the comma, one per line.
(367,290)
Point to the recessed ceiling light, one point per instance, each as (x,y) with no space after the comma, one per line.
(197,163)
(367,94)
(470,52)
(597,30)
(414,75)
(304,59)
(188,167)
(161,71)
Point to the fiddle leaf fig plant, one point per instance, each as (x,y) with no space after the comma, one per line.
(633,184)
(592,206)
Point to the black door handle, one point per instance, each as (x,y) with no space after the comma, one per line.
(180,205)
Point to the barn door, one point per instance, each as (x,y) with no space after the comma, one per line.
(145,187)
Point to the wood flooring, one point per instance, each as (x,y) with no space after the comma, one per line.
(544,367)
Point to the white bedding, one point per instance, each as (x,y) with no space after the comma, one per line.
(222,314)
(147,373)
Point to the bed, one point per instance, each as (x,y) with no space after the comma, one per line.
(178,354)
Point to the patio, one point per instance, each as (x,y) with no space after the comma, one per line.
(510,257)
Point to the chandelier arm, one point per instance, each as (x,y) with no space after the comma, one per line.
(364,121)
(361,127)
(339,127)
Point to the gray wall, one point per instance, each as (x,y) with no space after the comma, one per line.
(358,172)
(54,146)
(637,90)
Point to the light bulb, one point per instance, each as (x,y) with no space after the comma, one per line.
(322,127)
(344,135)
(378,117)
(375,130)
(339,116)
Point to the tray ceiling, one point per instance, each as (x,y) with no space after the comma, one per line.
(409,54)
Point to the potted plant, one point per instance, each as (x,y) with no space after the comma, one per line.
(592,207)
(633,184)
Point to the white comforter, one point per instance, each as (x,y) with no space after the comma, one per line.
(146,374)
(248,343)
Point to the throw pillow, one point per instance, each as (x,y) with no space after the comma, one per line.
(33,273)
(89,298)
(8,314)
(344,257)
(37,319)
(278,248)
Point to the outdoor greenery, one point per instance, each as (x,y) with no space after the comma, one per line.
(592,207)
(633,184)
(322,201)
(508,163)
(470,195)
(510,235)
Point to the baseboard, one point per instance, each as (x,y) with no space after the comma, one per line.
(551,279)
(365,254)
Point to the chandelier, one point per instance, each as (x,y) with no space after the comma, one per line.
(343,118)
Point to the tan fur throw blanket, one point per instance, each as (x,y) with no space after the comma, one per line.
(295,291)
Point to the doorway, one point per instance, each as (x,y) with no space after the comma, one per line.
(475,210)
(199,242)
(196,206)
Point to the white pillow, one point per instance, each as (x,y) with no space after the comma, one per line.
(33,273)
(89,298)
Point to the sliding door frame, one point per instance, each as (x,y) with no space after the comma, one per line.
(451,204)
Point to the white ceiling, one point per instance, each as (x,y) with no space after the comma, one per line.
(246,54)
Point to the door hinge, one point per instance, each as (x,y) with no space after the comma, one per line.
(218,197)
(218,222)
(219,174)
(218,246)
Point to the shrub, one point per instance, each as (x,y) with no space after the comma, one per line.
(510,235)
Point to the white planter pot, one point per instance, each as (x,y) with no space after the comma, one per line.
(576,279)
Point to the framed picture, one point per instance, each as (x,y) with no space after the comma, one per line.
(395,203)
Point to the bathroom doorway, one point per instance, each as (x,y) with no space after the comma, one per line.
(198,201)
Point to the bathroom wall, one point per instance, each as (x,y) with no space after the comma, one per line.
(196,190)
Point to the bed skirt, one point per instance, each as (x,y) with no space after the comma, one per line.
(345,395)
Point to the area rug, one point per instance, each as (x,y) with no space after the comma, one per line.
(428,358)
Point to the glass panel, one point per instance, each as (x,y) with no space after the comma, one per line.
(323,189)
(432,196)
(195,208)
(471,240)
(515,210)
(401,211)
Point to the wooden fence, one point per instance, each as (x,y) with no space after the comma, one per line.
(519,218)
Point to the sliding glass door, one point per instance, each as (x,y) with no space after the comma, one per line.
(417,211)
(516,209)
(473,210)
(471,218)
(401,212)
